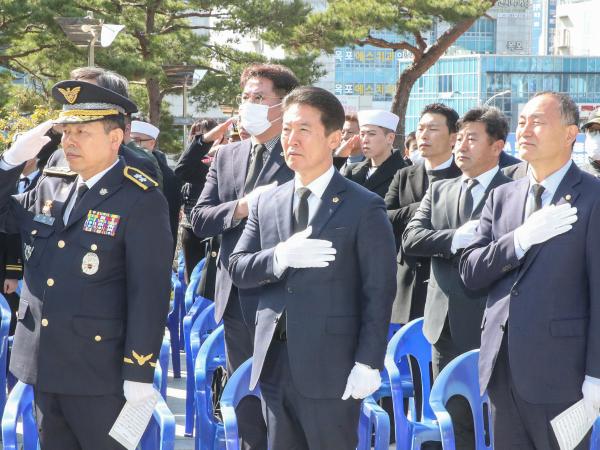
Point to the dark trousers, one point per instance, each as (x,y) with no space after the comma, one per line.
(295,422)
(193,250)
(239,341)
(77,422)
(442,352)
(518,424)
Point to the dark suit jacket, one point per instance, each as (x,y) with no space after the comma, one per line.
(549,299)
(172,191)
(430,234)
(94,300)
(402,200)
(516,171)
(380,181)
(337,315)
(507,160)
(192,171)
(213,214)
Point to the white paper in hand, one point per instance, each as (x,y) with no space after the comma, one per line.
(571,425)
(132,422)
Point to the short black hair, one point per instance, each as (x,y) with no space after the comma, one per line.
(283,79)
(332,111)
(412,136)
(496,124)
(104,78)
(450,114)
(113,122)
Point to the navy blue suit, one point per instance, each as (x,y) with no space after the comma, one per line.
(548,302)
(337,315)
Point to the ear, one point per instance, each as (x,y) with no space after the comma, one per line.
(497,147)
(334,139)
(572,131)
(116,138)
(453,139)
(390,137)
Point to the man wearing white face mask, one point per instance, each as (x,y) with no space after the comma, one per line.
(238,174)
(592,144)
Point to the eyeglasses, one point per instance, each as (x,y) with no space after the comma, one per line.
(140,140)
(257,99)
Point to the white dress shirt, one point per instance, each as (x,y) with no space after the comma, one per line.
(483,181)
(443,165)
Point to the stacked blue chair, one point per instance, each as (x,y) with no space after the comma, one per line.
(199,323)
(373,422)
(409,341)
(5,315)
(19,405)
(173,323)
(209,431)
(460,377)
(192,287)
(161,373)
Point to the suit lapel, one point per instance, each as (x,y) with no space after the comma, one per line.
(272,165)
(239,166)
(566,189)
(452,198)
(103,189)
(330,201)
(498,179)
(283,199)
(359,172)
(381,174)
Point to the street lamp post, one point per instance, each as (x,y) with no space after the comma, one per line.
(493,97)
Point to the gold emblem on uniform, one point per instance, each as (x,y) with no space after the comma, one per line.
(90,263)
(103,191)
(47,207)
(141,359)
(70,93)
(335,199)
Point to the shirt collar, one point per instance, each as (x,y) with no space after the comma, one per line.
(485,178)
(269,145)
(31,176)
(443,165)
(550,183)
(317,186)
(355,158)
(90,182)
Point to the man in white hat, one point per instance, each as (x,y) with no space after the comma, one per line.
(377,134)
(144,135)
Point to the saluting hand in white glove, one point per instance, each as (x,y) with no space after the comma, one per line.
(28,144)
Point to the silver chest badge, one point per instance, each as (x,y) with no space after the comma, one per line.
(90,263)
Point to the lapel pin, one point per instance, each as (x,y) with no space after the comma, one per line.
(103,191)
(335,199)
(568,197)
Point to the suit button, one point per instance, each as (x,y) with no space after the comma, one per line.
(515,292)
(61,244)
(290,290)
(213,254)
(97,338)
(418,264)
(33,232)
(50,282)
(93,247)
(44,322)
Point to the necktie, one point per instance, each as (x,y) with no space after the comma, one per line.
(301,211)
(81,190)
(24,182)
(465,206)
(538,190)
(256,165)
(300,223)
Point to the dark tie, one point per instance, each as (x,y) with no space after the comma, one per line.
(254,168)
(465,206)
(81,190)
(538,190)
(25,182)
(301,211)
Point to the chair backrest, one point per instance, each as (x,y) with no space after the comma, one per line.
(181,267)
(192,287)
(5,316)
(460,377)
(161,373)
(19,404)
(410,341)
(202,327)
(210,357)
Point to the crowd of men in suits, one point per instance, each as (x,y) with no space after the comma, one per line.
(319,239)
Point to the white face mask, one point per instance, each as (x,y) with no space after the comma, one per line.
(416,157)
(592,145)
(254,118)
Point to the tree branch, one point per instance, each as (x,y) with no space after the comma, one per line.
(420,41)
(382,43)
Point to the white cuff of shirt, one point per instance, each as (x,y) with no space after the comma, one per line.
(518,249)
(278,269)
(592,380)
(6,166)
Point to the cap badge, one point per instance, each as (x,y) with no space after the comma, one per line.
(70,93)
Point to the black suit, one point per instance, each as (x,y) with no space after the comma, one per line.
(172,191)
(402,200)
(507,160)
(380,180)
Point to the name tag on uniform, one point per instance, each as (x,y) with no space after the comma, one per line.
(42,218)
(101,223)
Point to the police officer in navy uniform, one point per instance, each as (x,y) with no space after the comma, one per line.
(95,294)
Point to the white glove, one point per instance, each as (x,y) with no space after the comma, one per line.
(28,145)
(136,392)
(362,382)
(300,252)
(545,224)
(591,396)
(464,235)
(252,197)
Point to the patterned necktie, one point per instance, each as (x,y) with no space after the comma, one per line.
(538,190)
(465,206)
(301,211)
(256,165)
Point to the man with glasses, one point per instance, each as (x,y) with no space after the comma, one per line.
(239,172)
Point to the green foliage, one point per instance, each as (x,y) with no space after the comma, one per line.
(12,122)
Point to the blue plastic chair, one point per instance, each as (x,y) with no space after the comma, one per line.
(161,373)
(192,287)
(595,440)
(373,421)
(203,324)
(460,377)
(5,315)
(19,405)
(209,431)
(409,341)
(173,319)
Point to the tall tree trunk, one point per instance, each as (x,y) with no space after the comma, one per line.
(154,100)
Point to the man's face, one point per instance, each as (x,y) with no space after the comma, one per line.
(143,140)
(541,134)
(375,141)
(307,149)
(88,148)
(475,152)
(350,130)
(433,137)
(260,90)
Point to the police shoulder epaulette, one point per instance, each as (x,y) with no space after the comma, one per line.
(139,178)
(57,171)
